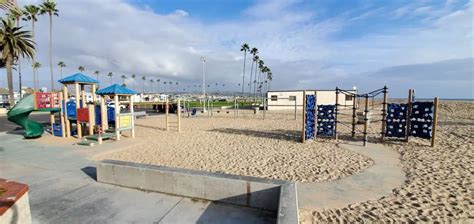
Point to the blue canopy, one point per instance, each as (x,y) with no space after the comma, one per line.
(78,77)
(115,89)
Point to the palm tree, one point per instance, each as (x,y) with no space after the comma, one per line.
(261,64)
(177,86)
(36,66)
(30,12)
(97,73)
(270,78)
(81,69)
(152,90)
(133,77)
(15,14)
(7,4)
(171,83)
(245,48)
(143,87)
(15,43)
(158,82)
(164,83)
(49,7)
(254,52)
(61,65)
(110,74)
(123,79)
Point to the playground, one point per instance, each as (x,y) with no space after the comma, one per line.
(351,163)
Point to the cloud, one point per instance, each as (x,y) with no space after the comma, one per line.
(300,45)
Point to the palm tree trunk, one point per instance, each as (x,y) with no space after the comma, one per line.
(243,73)
(111,80)
(250,81)
(11,95)
(61,71)
(51,50)
(34,56)
(143,87)
(19,62)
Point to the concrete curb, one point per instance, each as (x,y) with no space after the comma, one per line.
(273,195)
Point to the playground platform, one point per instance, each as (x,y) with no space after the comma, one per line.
(63,189)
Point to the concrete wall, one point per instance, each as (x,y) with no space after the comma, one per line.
(239,190)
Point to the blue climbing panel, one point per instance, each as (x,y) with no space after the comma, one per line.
(326,120)
(396,120)
(421,119)
(310,113)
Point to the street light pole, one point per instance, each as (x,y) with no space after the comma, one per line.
(203,77)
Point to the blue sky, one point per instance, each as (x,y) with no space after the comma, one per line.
(307,44)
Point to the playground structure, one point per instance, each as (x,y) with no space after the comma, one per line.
(178,115)
(398,121)
(78,113)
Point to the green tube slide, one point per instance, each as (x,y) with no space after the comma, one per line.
(19,115)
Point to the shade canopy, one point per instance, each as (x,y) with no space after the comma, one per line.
(115,89)
(78,78)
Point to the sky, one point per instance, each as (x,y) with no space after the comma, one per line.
(317,44)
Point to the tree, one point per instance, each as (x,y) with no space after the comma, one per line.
(261,64)
(81,69)
(245,48)
(14,43)
(15,14)
(61,65)
(36,66)
(133,77)
(158,82)
(177,86)
(49,7)
(97,73)
(110,75)
(254,52)
(164,83)
(152,90)
(30,12)
(124,77)
(143,87)
(270,78)
(171,83)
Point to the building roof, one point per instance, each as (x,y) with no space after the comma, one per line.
(79,78)
(115,89)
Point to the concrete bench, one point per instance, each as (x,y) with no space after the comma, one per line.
(140,114)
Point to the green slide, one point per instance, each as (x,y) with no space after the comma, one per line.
(19,115)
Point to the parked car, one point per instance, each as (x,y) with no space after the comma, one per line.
(112,104)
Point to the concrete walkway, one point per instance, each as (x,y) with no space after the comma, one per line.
(63,190)
(372,183)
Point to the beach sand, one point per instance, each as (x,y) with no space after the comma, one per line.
(439,184)
(247,146)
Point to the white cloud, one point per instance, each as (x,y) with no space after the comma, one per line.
(112,35)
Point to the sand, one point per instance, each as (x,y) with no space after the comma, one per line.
(247,146)
(439,184)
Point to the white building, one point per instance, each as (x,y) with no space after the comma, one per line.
(287,99)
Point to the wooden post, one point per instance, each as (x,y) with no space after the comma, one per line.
(61,115)
(132,111)
(304,117)
(51,119)
(117,117)
(94,97)
(103,114)
(336,113)
(354,115)
(366,119)
(78,124)
(179,115)
(435,122)
(384,112)
(90,108)
(67,125)
(167,114)
(83,96)
(408,131)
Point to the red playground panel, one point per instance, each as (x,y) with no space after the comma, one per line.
(83,114)
(47,100)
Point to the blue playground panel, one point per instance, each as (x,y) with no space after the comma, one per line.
(326,120)
(310,117)
(421,119)
(396,120)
